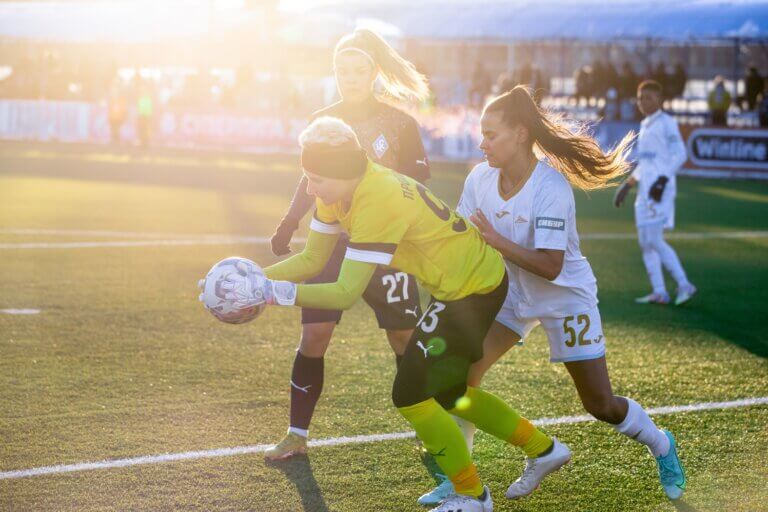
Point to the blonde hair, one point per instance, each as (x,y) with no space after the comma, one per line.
(399,76)
(328,131)
(573,152)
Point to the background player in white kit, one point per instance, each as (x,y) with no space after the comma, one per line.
(524,207)
(660,153)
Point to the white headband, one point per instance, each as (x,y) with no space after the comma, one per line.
(361,52)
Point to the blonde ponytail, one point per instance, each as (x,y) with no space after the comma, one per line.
(399,76)
(573,152)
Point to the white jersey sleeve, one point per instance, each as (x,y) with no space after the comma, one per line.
(468,200)
(676,153)
(553,208)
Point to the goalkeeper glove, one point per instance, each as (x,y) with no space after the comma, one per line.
(251,289)
(657,189)
(621,194)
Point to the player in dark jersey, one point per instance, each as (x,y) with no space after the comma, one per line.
(390,137)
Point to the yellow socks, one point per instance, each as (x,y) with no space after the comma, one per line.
(490,414)
(444,441)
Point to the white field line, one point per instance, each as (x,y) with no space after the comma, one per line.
(98,233)
(233,240)
(170,240)
(336,441)
(679,235)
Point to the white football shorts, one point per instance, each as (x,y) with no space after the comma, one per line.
(575,337)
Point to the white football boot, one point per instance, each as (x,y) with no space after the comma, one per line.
(464,503)
(685,294)
(653,298)
(536,469)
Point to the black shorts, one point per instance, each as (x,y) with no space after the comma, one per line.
(393,295)
(447,340)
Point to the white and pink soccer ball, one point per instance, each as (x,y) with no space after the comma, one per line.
(227,290)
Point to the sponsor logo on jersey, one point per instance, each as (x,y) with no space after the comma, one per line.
(380,145)
(550,223)
(501,214)
(520,220)
(424,349)
(422,162)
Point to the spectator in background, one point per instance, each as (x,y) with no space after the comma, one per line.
(481,85)
(762,107)
(719,101)
(611,78)
(599,79)
(660,75)
(754,86)
(628,81)
(611,110)
(677,82)
(117,110)
(584,84)
(145,104)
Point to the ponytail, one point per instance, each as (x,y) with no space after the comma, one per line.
(574,153)
(399,76)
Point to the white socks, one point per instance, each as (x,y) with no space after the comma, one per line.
(467,430)
(298,431)
(657,252)
(639,426)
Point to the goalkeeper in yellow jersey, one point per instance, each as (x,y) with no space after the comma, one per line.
(393,220)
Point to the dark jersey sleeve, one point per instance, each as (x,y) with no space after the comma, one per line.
(412,159)
(303,202)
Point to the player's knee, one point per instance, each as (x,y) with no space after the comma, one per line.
(315,339)
(403,394)
(398,340)
(601,407)
(447,399)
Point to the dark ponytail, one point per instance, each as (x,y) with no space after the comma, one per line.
(575,154)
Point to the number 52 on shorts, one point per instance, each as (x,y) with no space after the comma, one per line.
(576,337)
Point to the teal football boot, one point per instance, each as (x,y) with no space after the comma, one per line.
(671,473)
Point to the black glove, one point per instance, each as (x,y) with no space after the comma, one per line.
(657,189)
(621,194)
(281,240)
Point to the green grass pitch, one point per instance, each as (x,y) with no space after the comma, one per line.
(123,361)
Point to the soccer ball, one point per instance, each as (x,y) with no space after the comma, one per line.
(236,304)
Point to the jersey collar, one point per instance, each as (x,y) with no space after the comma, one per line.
(520,186)
(651,118)
(364,110)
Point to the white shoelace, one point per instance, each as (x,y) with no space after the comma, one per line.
(528,472)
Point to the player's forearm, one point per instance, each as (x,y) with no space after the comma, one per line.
(308,263)
(543,263)
(677,158)
(353,279)
(301,202)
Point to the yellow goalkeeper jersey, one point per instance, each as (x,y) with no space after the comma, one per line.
(394,220)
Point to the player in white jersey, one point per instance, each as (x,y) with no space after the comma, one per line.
(660,153)
(524,207)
